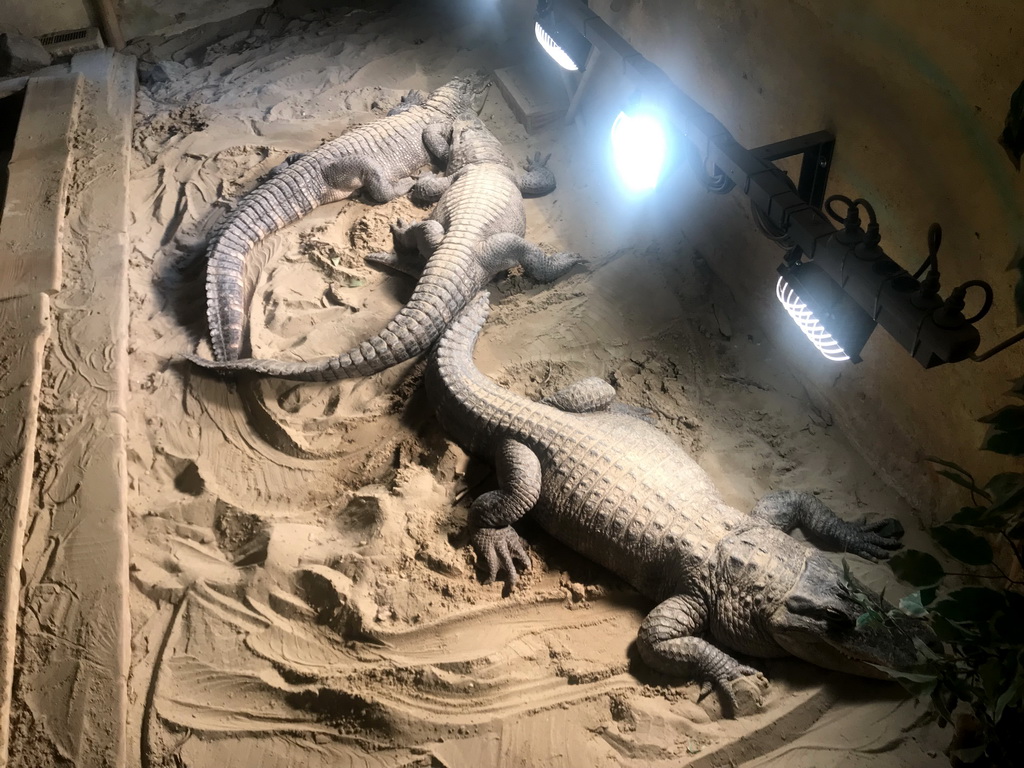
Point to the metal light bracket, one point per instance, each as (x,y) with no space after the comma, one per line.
(816,149)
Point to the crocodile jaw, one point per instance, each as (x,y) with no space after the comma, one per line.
(817,622)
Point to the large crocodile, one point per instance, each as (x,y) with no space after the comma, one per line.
(621,492)
(378,157)
(474,232)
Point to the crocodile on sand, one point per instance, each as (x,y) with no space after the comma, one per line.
(474,232)
(621,492)
(378,157)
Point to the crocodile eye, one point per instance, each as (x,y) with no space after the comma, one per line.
(838,619)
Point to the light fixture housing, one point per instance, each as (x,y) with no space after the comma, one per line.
(559,39)
(639,147)
(829,318)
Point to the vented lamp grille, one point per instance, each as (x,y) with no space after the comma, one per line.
(809,324)
(554,50)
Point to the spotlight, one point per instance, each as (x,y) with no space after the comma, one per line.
(639,148)
(562,42)
(829,318)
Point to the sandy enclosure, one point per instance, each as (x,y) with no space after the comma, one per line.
(303,589)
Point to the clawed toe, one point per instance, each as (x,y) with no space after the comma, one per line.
(499,549)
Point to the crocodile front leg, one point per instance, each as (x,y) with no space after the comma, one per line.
(504,249)
(420,239)
(437,138)
(668,641)
(786,510)
(537,179)
(492,514)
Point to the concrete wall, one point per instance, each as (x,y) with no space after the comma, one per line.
(137,17)
(916,93)
(37,17)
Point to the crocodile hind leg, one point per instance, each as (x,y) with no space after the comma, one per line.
(429,187)
(421,239)
(496,543)
(283,164)
(584,396)
(594,394)
(668,642)
(355,172)
(505,249)
(786,510)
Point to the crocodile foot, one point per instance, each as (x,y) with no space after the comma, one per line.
(537,161)
(874,541)
(745,691)
(498,549)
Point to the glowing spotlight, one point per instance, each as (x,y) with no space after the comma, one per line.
(809,324)
(553,49)
(639,148)
(829,318)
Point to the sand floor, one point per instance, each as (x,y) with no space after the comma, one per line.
(303,589)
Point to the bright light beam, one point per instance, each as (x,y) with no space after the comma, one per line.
(553,49)
(809,324)
(638,150)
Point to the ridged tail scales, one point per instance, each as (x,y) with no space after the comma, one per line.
(470,406)
(377,155)
(448,281)
(281,200)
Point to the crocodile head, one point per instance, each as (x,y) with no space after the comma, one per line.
(818,621)
(473,142)
(461,94)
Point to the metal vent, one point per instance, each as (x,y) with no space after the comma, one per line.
(71,41)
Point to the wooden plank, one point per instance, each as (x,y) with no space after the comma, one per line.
(71,694)
(534,94)
(24,328)
(33,214)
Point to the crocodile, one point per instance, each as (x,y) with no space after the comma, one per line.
(621,492)
(377,157)
(473,232)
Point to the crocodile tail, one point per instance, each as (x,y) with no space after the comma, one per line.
(454,354)
(437,299)
(286,197)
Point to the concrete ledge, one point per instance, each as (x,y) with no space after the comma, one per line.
(30,231)
(70,698)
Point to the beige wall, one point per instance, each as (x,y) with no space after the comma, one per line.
(37,17)
(916,92)
(137,17)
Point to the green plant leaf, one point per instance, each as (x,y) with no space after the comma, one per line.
(963,482)
(978,605)
(992,681)
(1012,694)
(1006,443)
(1005,485)
(950,465)
(913,677)
(1008,418)
(968,516)
(945,629)
(917,568)
(1017,390)
(965,546)
(968,755)
(912,605)
(925,651)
